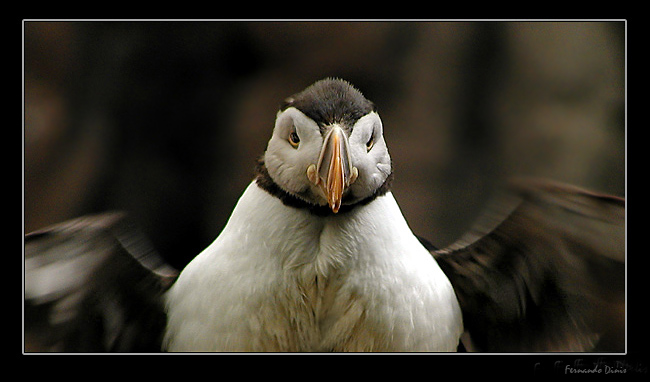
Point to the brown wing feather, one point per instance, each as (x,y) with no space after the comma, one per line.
(93,284)
(546,273)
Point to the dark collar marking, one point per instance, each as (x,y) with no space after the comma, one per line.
(264,181)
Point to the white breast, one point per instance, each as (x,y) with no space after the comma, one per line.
(280,279)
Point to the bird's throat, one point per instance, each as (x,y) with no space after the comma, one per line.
(348,203)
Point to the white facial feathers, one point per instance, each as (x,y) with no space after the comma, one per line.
(374,165)
(287,162)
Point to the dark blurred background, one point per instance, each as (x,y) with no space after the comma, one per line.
(166,119)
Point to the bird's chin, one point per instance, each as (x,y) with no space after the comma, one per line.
(316,197)
(309,195)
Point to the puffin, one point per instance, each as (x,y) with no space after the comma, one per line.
(317,257)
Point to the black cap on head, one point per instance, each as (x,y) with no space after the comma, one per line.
(331,101)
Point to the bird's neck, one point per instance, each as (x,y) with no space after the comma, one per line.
(297,236)
(265,182)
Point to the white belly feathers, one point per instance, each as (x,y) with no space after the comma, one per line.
(280,279)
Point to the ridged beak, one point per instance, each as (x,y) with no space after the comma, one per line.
(334,172)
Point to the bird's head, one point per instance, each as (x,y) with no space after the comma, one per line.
(328,146)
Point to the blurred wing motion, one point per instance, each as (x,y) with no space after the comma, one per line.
(543,271)
(94,284)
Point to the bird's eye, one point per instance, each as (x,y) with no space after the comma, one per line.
(370,142)
(294,139)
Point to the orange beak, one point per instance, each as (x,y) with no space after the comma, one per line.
(334,172)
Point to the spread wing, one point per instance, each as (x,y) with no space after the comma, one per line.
(544,270)
(94,284)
